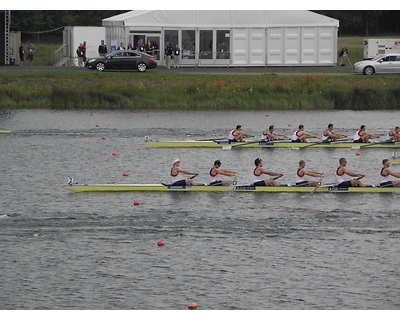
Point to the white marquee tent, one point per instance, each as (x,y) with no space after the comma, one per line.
(231,37)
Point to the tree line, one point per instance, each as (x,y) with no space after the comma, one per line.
(352,22)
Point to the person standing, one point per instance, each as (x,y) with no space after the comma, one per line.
(343,55)
(149,48)
(102,49)
(258,181)
(177,53)
(84,52)
(121,47)
(385,173)
(213,175)
(341,171)
(31,52)
(168,54)
(21,51)
(80,54)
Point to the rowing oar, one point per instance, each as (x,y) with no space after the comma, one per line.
(318,185)
(213,139)
(246,143)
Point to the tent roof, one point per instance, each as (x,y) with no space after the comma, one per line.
(220,18)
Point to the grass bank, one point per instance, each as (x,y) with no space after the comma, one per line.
(133,90)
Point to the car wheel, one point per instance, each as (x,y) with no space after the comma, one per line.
(368,71)
(100,66)
(142,67)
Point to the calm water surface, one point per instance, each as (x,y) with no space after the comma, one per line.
(65,250)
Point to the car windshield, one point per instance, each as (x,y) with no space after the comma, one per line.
(378,57)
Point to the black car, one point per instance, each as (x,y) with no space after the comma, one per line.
(123,59)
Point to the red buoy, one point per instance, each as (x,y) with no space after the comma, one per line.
(358,154)
(114,153)
(91,114)
(104,138)
(289,125)
(97,125)
(267,115)
(125,174)
(192,306)
(160,243)
(136,203)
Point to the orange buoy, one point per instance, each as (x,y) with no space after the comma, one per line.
(192,306)
(358,154)
(104,138)
(114,153)
(160,243)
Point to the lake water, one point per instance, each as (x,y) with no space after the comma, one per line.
(64,250)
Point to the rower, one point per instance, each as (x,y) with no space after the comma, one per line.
(341,171)
(176,170)
(236,135)
(301,176)
(270,134)
(213,175)
(362,136)
(301,136)
(385,173)
(259,170)
(393,135)
(330,135)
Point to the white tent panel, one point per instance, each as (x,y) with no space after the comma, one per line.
(309,45)
(240,48)
(292,46)
(257,47)
(275,46)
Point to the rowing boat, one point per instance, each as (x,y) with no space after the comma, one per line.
(267,144)
(207,188)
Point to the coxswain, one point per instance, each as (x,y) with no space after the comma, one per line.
(341,171)
(393,135)
(362,136)
(215,171)
(329,135)
(270,134)
(259,170)
(300,135)
(236,135)
(176,170)
(386,173)
(301,174)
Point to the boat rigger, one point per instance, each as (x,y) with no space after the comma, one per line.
(268,144)
(207,188)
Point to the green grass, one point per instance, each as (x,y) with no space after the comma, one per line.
(133,90)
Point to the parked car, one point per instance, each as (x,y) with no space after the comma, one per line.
(388,63)
(123,59)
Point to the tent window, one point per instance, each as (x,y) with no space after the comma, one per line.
(223,44)
(206,44)
(188,44)
(171,36)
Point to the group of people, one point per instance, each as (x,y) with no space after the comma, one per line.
(300,176)
(299,135)
(81,53)
(31,51)
(172,55)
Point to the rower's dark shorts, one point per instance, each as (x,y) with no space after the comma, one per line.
(358,141)
(302,184)
(297,140)
(259,184)
(232,140)
(216,183)
(179,183)
(387,184)
(345,184)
